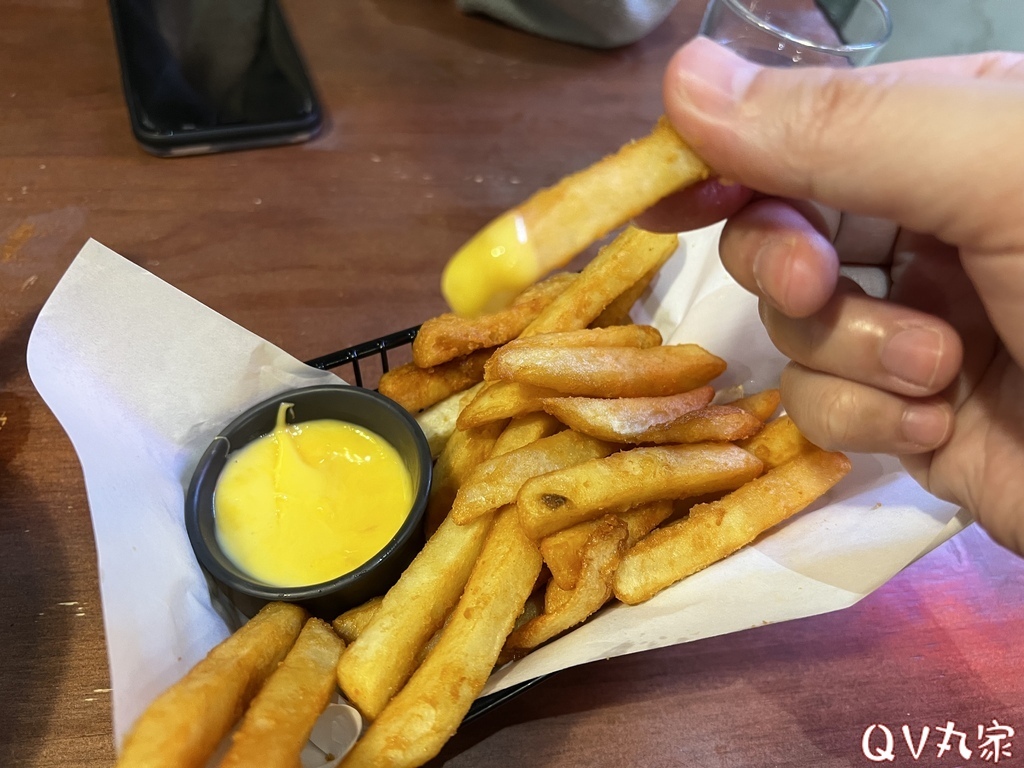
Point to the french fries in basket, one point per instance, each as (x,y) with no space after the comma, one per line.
(569,449)
(599,432)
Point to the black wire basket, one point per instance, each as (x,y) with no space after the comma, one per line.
(351,356)
(380,347)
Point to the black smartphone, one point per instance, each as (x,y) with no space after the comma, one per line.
(206,76)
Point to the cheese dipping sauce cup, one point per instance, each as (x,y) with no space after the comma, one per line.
(361,407)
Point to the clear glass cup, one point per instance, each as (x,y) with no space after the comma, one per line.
(831,33)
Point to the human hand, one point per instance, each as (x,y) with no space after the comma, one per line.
(924,158)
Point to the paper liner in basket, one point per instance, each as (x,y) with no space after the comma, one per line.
(142,377)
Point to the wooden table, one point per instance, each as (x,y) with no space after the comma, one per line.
(438,122)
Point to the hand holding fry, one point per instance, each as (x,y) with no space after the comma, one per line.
(918,372)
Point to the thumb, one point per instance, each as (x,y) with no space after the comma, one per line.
(933,145)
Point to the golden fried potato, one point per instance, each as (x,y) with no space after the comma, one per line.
(438,421)
(496,482)
(623,419)
(712,423)
(350,624)
(503,400)
(184,725)
(523,430)
(416,388)
(449,336)
(641,336)
(564,219)
(761,404)
(617,266)
(586,491)
(464,451)
(778,442)
(555,598)
(427,711)
(563,551)
(602,552)
(383,657)
(278,722)
(715,530)
(608,372)
(618,311)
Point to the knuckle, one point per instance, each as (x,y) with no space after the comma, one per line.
(829,112)
(825,409)
(840,406)
(995,64)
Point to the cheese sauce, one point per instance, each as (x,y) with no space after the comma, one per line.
(310,501)
(490,270)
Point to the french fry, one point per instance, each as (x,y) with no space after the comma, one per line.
(580,209)
(586,491)
(618,312)
(169,733)
(761,404)
(617,266)
(495,482)
(416,388)
(623,419)
(350,624)
(438,421)
(778,441)
(383,657)
(278,722)
(712,423)
(608,372)
(465,449)
(715,530)
(428,710)
(523,430)
(449,336)
(563,551)
(641,336)
(601,555)
(503,400)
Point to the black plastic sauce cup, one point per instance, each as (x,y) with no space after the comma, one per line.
(362,407)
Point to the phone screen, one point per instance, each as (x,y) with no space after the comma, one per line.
(212,71)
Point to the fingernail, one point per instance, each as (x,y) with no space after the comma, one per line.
(710,77)
(913,356)
(924,425)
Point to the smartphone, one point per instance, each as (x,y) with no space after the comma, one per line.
(205,76)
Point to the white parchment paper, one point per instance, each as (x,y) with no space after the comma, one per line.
(142,377)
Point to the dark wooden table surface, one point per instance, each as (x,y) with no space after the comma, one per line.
(438,122)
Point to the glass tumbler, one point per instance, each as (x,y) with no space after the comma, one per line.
(831,33)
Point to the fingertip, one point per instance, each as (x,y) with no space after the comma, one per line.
(771,249)
(705,79)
